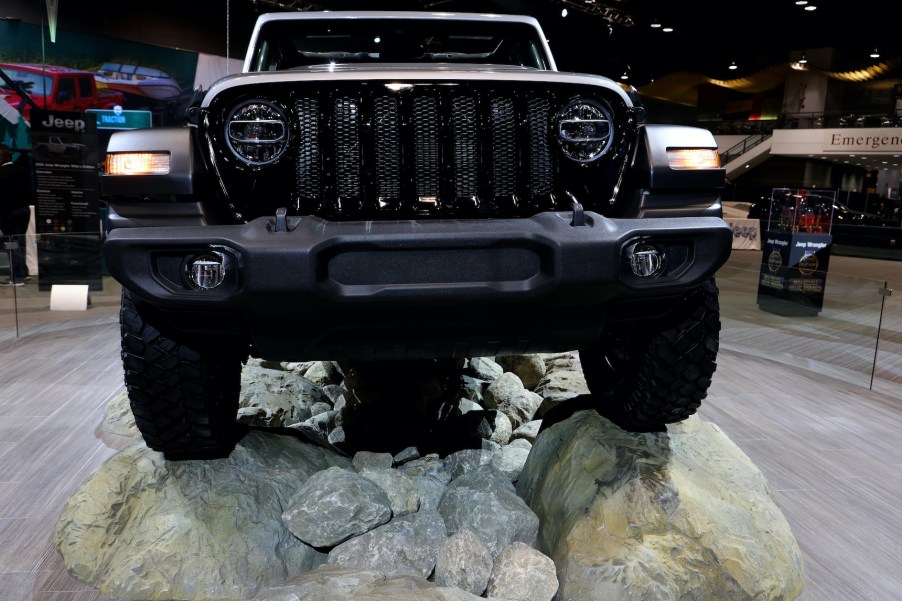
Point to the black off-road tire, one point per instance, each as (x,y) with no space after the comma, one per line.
(645,375)
(185,402)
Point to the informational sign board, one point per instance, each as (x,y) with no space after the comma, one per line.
(793,272)
(119,118)
(796,251)
(67,214)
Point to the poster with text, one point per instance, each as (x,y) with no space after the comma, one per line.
(67,211)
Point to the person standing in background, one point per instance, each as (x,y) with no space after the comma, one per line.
(15,213)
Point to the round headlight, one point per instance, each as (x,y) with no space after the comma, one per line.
(584,130)
(257,132)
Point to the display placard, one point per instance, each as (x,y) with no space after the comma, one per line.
(67,212)
(796,252)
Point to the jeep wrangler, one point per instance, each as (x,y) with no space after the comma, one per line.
(410,185)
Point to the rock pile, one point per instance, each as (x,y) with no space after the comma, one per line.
(326,497)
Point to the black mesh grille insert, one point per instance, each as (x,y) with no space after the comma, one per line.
(426,146)
(504,152)
(363,150)
(387,133)
(308,176)
(540,164)
(465,145)
(346,128)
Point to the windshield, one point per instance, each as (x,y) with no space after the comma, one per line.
(33,83)
(298,43)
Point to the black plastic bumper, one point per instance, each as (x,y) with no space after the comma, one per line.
(412,288)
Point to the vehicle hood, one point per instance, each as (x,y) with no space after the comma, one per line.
(412,72)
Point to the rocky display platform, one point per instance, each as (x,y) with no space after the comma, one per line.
(543,499)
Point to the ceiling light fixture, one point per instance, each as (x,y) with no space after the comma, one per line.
(564,12)
(733,66)
(875,54)
(624,76)
(667,29)
(811,8)
(801,2)
(655,24)
(804,59)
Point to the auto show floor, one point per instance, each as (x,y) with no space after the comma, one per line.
(830,446)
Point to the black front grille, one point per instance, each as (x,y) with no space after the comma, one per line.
(449,149)
(455,154)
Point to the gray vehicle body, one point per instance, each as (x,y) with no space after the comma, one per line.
(406,274)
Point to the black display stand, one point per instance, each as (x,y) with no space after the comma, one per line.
(67,210)
(793,273)
(796,251)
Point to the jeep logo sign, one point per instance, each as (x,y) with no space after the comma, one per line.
(51,121)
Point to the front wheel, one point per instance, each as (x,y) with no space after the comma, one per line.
(649,374)
(185,401)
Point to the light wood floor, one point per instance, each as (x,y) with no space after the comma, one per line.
(830,447)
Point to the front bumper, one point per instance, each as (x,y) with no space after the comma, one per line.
(402,289)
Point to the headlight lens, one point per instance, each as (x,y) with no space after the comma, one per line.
(257,132)
(584,130)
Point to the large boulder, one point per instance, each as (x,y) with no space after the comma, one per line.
(141,527)
(681,514)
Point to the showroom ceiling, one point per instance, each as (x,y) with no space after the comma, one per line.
(597,36)
(611,36)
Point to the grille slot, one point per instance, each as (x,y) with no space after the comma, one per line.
(346,128)
(426,127)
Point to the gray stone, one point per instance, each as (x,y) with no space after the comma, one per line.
(405,455)
(334,392)
(466,405)
(681,514)
(401,489)
(467,460)
(527,431)
(508,395)
(465,562)
(529,368)
(431,490)
(285,397)
(118,418)
(483,368)
(334,505)
(484,502)
(406,546)
(430,465)
(319,407)
(521,572)
(509,461)
(323,373)
(141,527)
(503,428)
(520,443)
(365,459)
(317,427)
(471,388)
(563,380)
(332,583)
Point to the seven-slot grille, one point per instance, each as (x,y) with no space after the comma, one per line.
(446,153)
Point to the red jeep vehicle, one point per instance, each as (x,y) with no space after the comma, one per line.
(55,88)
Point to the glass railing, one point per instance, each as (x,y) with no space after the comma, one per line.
(67,297)
(856,337)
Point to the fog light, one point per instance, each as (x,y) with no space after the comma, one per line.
(206,272)
(645,260)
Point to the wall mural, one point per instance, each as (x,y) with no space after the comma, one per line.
(59,103)
(131,75)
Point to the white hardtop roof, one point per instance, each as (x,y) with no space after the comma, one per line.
(401,14)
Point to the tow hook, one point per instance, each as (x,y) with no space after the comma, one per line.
(281,222)
(579,216)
